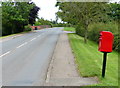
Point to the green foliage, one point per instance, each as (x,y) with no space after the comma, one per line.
(52,23)
(82,13)
(89,61)
(61,25)
(90,18)
(42,21)
(80,30)
(69,29)
(116,45)
(28,28)
(95,28)
(114,12)
(37,23)
(15,15)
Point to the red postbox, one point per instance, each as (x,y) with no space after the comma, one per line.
(105,41)
(105,46)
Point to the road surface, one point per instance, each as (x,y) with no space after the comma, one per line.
(25,59)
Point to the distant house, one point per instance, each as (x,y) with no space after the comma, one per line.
(40,27)
(33,27)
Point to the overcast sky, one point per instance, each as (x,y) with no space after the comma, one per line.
(48,9)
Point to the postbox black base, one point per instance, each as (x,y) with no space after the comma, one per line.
(104,64)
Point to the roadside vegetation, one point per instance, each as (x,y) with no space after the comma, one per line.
(17,17)
(89,60)
(95,28)
(84,42)
(52,23)
(90,18)
(69,29)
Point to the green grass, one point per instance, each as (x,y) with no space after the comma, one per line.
(69,29)
(89,61)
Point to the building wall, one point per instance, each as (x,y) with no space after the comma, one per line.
(41,27)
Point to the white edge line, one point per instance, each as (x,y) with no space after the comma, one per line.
(32,39)
(38,35)
(22,45)
(5,54)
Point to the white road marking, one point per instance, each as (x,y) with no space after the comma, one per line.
(32,39)
(22,45)
(38,35)
(5,54)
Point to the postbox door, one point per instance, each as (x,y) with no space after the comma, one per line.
(105,41)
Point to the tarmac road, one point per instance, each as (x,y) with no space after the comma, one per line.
(25,59)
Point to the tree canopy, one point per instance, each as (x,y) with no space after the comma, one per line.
(15,15)
(85,13)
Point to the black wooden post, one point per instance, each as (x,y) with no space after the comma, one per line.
(104,64)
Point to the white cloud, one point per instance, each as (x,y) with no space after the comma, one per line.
(114,1)
(47,8)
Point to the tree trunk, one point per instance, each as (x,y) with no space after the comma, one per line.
(86,32)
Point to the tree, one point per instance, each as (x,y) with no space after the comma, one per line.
(15,15)
(42,21)
(82,13)
(114,11)
(33,14)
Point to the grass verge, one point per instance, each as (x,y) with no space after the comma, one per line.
(69,29)
(89,61)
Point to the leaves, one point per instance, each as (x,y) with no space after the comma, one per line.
(15,15)
(83,13)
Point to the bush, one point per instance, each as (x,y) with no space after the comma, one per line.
(93,31)
(80,30)
(28,28)
(116,45)
(94,35)
(61,25)
(95,28)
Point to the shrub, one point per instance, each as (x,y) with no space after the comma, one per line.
(28,28)
(93,31)
(94,35)
(116,45)
(80,30)
(95,28)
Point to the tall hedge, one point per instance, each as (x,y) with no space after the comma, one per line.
(15,15)
(95,28)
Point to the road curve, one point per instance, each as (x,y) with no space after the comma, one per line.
(25,59)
